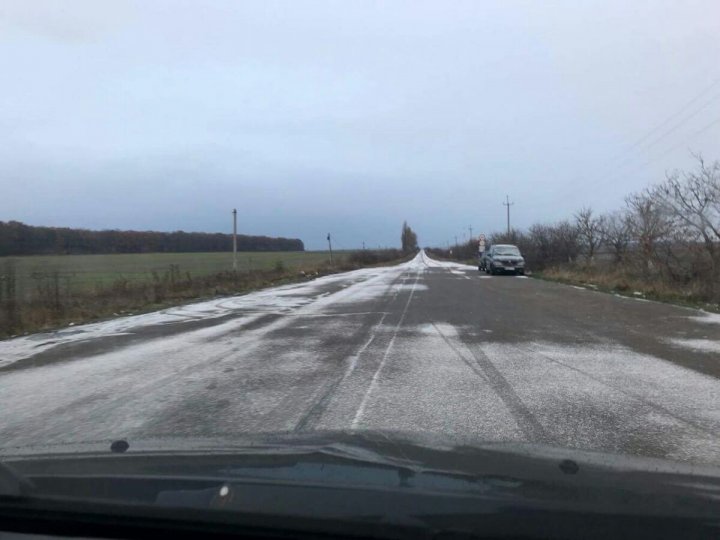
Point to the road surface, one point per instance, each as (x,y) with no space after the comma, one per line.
(422,346)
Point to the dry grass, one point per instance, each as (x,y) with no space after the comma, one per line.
(59,307)
(624,282)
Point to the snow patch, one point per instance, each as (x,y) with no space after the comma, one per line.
(410,287)
(700,345)
(359,286)
(433,329)
(706,318)
(432,263)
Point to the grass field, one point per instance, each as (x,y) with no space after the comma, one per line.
(77,272)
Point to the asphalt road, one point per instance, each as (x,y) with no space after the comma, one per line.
(423,346)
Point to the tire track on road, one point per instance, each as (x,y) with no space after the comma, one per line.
(374,382)
(314,413)
(631,395)
(482,366)
(249,361)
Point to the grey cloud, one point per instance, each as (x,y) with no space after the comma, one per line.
(342,116)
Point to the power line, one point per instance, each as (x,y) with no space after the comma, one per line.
(508,204)
(661,155)
(675,147)
(670,118)
(679,124)
(614,166)
(617,169)
(235,264)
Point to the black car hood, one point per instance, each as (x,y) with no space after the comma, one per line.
(419,483)
(411,452)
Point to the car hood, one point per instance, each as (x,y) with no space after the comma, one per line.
(412,453)
(415,485)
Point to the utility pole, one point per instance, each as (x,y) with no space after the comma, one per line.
(363,245)
(470,229)
(330,246)
(508,204)
(234,213)
(456,244)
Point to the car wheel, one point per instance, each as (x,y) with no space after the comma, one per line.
(520,272)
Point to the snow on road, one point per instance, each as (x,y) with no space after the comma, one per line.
(359,286)
(119,391)
(426,262)
(364,350)
(704,345)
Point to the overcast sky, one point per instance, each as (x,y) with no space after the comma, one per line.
(347,117)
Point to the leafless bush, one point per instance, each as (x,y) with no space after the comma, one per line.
(666,237)
(589,232)
(616,234)
(650,223)
(693,200)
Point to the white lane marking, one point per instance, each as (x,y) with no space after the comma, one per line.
(373,333)
(354,358)
(376,376)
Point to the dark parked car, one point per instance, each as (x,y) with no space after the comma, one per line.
(502,258)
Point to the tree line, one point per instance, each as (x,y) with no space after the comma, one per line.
(408,239)
(668,232)
(20,239)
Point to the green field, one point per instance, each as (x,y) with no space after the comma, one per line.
(77,272)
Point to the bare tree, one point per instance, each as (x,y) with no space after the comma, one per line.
(693,198)
(590,232)
(649,222)
(408,238)
(565,239)
(616,234)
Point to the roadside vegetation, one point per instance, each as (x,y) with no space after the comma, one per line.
(408,239)
(61,294)
(664,243)
(17,238)
(80,273)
